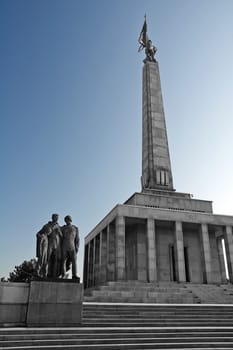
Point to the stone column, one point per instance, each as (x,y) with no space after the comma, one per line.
(96,259)
(103,256)
(111,266)
(141,252)
(120,248)
(93,266)
(205,241)
(151,250)
(229,250)
(221,260)
(179,243)
(90,263)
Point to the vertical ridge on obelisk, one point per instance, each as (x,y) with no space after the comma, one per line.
(156,165)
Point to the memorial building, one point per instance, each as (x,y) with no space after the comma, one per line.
(158,234)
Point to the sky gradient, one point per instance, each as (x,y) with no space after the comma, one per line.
(70,108)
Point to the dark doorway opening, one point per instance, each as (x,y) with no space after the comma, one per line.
(186,262)
(172,263)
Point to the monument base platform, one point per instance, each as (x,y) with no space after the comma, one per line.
(54,304)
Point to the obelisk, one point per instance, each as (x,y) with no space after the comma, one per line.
(156,165)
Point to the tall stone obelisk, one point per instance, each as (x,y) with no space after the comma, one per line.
(156,165)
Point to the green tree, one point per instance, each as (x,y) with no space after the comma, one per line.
(25,272)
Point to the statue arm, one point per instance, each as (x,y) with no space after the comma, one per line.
(59,230)
(38,240)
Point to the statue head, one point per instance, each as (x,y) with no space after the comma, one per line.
(55,218)
(68,219)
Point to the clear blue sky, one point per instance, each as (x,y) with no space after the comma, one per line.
(70,107)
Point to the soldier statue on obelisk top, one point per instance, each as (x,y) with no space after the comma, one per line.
(146,43)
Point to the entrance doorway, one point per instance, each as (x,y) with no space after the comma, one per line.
(186,263)
(131,255)
(172,263)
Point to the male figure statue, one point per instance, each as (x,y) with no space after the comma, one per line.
(70,245)
(54,248)
(42,251)
(150,51)
(48,249)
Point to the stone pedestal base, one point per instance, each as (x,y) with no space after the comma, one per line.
(13,304)
(55,304)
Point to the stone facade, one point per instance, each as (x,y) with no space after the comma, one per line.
(159,234)
(158,244)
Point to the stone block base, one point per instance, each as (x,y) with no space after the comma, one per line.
(13,303)
(54,304)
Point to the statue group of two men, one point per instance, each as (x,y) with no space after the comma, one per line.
(57,248)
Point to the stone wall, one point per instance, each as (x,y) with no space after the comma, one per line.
(40,304)
(13,303)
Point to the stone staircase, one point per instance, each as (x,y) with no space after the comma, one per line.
(154,315)
(160,292)
(212,293)
(136,315)
(133,326)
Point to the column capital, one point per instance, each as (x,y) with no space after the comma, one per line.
(179,226)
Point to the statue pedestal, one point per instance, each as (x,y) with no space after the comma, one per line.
(55,304)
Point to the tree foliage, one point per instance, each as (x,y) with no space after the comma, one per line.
(25,272)
(3,279)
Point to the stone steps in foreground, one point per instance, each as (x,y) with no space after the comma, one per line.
(140,338)
(155,315)
(132,326)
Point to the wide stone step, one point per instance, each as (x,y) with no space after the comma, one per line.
(88,331)
(141,293)
(160,299)
(159,317)
(154,324)
(157,312)
(81,338)
(157,307)
(161,306)
(142,288)
(141,283)
(120,334)
(111,341)
(141,344)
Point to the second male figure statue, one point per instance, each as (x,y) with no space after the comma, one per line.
(70,245)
